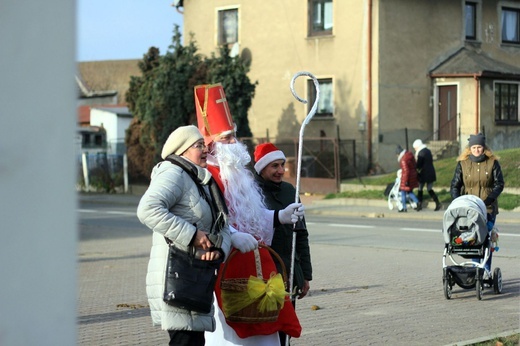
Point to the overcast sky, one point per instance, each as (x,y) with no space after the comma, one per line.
(123,29)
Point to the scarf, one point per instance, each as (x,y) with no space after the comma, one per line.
(480,158)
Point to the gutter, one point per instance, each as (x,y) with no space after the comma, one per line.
(369,106)
(477,96)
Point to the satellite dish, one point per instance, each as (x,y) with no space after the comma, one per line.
(234,50)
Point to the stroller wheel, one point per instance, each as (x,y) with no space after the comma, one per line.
(497,281)
(447,287)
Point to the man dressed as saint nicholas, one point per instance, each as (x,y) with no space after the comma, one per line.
(253,223)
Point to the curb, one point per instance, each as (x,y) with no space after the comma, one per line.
(485,338)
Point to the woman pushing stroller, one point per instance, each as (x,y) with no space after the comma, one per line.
(478,173)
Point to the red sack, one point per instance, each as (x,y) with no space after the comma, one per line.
(242,266)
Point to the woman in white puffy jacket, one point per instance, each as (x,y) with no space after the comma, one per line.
(173,207)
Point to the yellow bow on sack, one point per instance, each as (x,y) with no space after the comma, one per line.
(270,295)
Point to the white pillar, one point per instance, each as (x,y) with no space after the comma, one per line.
(125,172)
(37,173)
(84,165)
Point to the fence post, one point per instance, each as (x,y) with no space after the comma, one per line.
(125,172)
(84,164)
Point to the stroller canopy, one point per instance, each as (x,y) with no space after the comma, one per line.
(466,214)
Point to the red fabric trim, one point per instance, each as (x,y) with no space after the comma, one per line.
(215,172)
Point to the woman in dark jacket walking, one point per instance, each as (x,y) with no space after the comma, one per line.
(426,173)
(478,173)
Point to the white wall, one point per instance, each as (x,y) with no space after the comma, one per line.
(37,173)
(115,126)
(123,123)
(108,120)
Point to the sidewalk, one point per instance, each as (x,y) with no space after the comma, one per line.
(316,205)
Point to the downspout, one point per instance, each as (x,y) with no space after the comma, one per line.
(477,94)
(369,106)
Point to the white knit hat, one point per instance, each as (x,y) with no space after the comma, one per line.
(180,140)
(266,153)
(417,143)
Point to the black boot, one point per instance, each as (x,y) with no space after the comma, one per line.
(438,204)
(419,197)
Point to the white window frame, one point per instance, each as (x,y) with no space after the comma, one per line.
(218,35)
(477,18)
(327,20)
(325,98)
(501,121)
(509,6)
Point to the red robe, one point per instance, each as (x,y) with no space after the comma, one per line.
(242,266)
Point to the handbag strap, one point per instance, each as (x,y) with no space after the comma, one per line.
(217,203)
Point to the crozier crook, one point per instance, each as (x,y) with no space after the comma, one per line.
(305,122)
(298,171)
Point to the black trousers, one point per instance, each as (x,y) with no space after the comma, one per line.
(282,335)
(186,338)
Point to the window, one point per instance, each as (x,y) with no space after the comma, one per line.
(326,101)
(506,103)
(471,20)
(228,26)
(320,17)
(510,25)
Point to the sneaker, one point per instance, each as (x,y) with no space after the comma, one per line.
(403,211)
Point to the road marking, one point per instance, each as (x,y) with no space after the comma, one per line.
(87,211)
(349,226)
(436,230)
(421,230)
(127,213)
(121,213)
(340,225)
(507,235)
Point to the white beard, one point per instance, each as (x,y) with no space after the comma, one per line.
(245,201)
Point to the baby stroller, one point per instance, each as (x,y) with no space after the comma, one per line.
(467,235)
(394,195)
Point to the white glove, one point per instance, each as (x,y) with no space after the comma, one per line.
(244,242)
(291,213)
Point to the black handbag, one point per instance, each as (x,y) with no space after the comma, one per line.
(189,282)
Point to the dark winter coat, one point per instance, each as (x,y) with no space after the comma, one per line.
(425,169)
(482,179)
(409,179)
(277,197)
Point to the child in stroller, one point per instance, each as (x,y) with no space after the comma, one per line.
(468,234)
(395,199)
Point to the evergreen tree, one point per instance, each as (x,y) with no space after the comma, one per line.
(162,99)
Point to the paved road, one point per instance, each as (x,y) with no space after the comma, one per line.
(360,295)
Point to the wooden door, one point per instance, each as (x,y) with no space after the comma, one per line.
(447,112)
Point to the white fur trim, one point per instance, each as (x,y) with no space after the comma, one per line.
(267,159)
